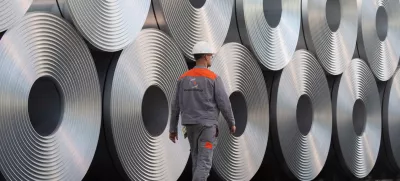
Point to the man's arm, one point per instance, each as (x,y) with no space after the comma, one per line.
(175,111)
(223,102)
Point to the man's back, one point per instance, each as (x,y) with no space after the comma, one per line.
(200,96)
(197,97)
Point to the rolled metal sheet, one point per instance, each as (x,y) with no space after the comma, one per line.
(239,156)
(391,122)
(379,36)
(11,11)
(108,25)
(188,25)
(138,92)
(45,47)
(330,31)
(357,119)
(270,29)
(301,116)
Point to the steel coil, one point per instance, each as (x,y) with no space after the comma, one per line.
(50,101)
(108,25)
(136,108)
(301,116)
(330,31)
(238,157)
(188,24)
(11,11)
(390,121)
(379,36)
(357,119)
(270,29)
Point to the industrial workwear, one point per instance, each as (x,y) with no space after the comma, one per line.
(202,139)
(200,96)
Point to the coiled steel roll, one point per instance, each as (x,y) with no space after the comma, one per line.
(108,25)
(330,31)
(270,29)
(357,119)
(390,121)
(238,157)
(189,25)
(11,11)
(139,91)
(301,116)
(43,53)
(379,36)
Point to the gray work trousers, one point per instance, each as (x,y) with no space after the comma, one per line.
(202,139)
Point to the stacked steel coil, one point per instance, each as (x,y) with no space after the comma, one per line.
(270,29)
(107,25)
(390,121)
(238,156)
(188,24)
(11,11)
(330,31)
(301,116)
(356,119)
(138,93)
(40,54)
(50,96)
(379,36)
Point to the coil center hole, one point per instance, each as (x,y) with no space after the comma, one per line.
(197,3)
(381,23)
(272,12)
(359,117)
(239,108)
(304,114)
(333,14)
(155,111)
(45,106)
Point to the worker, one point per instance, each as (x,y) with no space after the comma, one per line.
(200,97)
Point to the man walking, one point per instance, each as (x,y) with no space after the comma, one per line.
(200,96)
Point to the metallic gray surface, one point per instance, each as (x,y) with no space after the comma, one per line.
(108,25)
(11,11)
(43,45)
(391,120)
(382,56)
(188,25)
(273,46)
(357,153)
(303,155)
(47,6)
(239,158)
(334,49)
(152,59)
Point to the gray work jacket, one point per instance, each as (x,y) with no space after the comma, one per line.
(200,96)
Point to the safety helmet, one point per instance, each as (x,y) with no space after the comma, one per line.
(202,47)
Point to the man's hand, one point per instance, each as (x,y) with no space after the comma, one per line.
(233,129)
(173,136)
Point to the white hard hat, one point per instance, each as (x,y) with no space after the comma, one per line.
(202,47)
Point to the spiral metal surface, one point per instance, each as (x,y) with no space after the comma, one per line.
(379,36)
(239,157)
(12,11)
(330,31)
(107,25)
(44,46)
(301,116)
(390,120)
(149,67)
(189,25)
(273,44)
(357,119)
